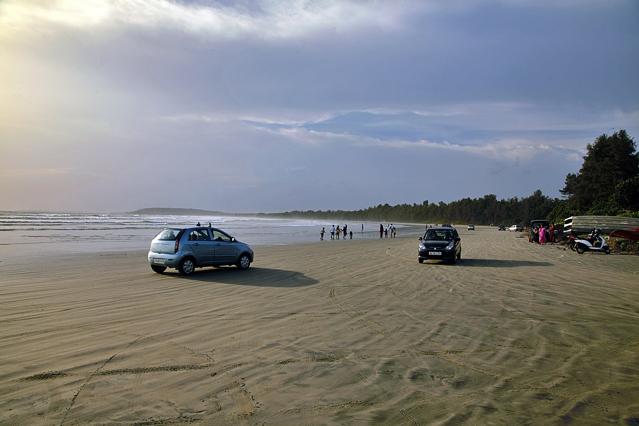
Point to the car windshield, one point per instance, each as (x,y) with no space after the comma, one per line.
(438,235)
(168,235)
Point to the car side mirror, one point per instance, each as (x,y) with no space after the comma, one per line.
(233,239)
(420,238)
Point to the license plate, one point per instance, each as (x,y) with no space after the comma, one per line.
(158,261)
(434,253)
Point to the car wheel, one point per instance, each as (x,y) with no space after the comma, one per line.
(158,269)
(244,261)
(420,260)
(453,261)
(187,266)
(580,249)
(459,255)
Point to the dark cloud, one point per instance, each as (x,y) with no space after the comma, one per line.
(342,105)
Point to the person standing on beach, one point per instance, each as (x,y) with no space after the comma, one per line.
(333,232)
(198,224)
(542,235)
(381,230)
(350,235)
(322,234)
(345,228)
(551,233)
(337,231)
(362,228)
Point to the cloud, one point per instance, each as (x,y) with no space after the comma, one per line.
(34,173)
(305,104)
(466,122)
(473,130)
(506,149)
(265,19)
(500,149)
(197,118)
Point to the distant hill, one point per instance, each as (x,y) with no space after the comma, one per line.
(178,211)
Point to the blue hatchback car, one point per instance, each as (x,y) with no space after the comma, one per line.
(189,248)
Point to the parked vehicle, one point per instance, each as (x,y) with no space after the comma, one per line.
(471,227)
(501,228)
(632,235)
(516,228)
(594,242)
(572,245)
(190,248)
(441,243)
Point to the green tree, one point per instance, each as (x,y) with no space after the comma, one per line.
(626,195)
(610,161)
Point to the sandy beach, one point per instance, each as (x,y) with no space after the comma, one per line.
(338,332)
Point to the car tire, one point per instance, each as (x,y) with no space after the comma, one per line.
(453,261)
(187,266)
(244,262)
(459,255)
(158,269)
(420,260)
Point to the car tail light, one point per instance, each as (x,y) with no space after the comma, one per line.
(177,245)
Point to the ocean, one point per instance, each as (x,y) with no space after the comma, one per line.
(24,233)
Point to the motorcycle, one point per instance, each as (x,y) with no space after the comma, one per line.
(595,242)
(571,242)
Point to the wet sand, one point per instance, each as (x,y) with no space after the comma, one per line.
(339,332)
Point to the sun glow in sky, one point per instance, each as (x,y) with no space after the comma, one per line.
(330,104)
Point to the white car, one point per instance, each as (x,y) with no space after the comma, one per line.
(516,228)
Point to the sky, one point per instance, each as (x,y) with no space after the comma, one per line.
(268,105)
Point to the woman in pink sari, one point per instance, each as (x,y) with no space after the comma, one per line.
(542,235)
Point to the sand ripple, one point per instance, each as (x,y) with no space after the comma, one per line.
(351,332)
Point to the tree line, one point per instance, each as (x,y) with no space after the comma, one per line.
(606,184)
(485,210)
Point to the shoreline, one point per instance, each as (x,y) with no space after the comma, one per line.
(45,241)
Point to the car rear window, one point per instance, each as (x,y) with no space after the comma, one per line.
(168,235)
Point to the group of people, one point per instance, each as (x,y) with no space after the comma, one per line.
(542,234)
(337,231)
(384,232)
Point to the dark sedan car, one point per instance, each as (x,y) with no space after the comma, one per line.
(441,244)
